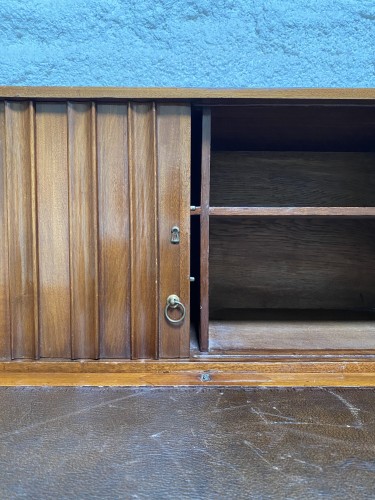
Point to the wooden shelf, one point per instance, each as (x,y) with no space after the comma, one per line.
(195,211)
(361,212)
(296,330)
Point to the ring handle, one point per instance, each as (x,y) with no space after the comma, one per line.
(173,302)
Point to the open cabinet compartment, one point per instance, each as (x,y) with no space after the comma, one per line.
(288,228)
(292,283)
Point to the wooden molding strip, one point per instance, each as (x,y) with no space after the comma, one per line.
(189,379)
(182,93)
(186,373)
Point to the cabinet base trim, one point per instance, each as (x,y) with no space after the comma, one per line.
(287,373)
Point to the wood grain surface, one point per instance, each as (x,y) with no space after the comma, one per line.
(286,363)
(291,263)
(292,179)
(85,188)
(53,230)
(191,377)
(83,230)
(144,240)
(251,330)
(91,185)
(114,230)
(288,372)
(205,228)
(281,212)
(173,163)
(20,163)
(5,341)
(164,93)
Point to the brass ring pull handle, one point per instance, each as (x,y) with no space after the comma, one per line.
(173,302)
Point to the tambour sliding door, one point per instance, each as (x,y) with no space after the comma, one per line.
(89,195)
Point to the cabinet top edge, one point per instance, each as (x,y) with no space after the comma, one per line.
(184,94)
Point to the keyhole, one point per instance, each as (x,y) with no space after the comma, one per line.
(175,235)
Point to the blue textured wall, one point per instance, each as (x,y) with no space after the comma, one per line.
(193,43)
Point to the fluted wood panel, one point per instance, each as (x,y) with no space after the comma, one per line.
(85,189)
(5,352)
(144,298)
(114,238)
(83,230)
(53,230)
(20,158)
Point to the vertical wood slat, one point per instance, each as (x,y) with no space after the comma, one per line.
(53,229)
(34,223)
(173,157)
(5,351)
(83,230)
(143,213)
(19,124)
(114,244)
(205,229)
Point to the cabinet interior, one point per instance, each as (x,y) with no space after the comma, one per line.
(287,227)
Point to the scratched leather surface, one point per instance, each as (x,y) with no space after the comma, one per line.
(187,443)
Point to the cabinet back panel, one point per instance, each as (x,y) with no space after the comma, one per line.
(292,179)
(293,127)
(289,264)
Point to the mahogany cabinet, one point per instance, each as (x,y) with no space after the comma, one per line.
(151,224)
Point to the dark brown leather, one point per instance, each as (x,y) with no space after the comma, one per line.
(187,443)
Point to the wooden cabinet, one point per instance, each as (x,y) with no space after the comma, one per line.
(169,224)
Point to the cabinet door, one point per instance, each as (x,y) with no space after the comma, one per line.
(173,159)
(89,193)
(159,166)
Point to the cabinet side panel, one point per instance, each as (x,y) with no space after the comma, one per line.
(114,251)
(173,156)
(205,228)
(144,301)
(53,229)
(83,229)
(19,125)
(4,274)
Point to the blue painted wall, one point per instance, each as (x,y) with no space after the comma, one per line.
(192,43)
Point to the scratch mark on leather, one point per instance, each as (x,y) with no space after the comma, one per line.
(218,400)
(309,464)
(258,452)
(353,409)
(260,414)
(289,421)
(66,415)
(226,408)
(221,462)
(314,436)
(279,415)
(158,434)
